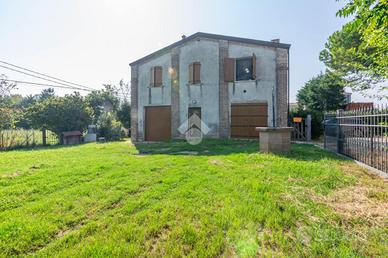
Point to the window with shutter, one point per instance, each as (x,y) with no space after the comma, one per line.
(156,76)
(244,69)
(229,69)
(195,73)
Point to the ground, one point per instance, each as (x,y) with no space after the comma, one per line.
(219,198)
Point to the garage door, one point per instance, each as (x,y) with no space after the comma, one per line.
(158,123)
(245,117)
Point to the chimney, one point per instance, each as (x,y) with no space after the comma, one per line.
(275,40)
(183,36)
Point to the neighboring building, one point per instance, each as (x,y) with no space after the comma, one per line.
(233,84)
(359,105)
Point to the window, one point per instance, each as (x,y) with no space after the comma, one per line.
(156,76)
(244,69)
(195,73)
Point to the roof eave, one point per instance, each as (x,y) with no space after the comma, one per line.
(213,36)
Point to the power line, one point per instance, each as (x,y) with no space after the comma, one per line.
(46,85)
(40,77)
(48,76)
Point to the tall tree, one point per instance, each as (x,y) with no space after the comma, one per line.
(103,100)
(359,51)
(322,93)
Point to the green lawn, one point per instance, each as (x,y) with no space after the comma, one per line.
(219,198)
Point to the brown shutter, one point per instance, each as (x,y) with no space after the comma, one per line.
(254,67)
(152,76)
(191,73)
(229,69)
(158,78)
(197,72)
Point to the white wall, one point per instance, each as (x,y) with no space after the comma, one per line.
(160,96)
(252,91)
(205,95)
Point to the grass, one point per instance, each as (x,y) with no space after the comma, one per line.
(219,198)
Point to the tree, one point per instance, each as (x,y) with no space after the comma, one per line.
(60,114)
(322,93)
(5,86)
(124,114)
(103,100)
(359,51)
(109,127)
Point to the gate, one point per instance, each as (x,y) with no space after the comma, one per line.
(302,128)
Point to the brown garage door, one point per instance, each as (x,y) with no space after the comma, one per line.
(245,117)
(158,123)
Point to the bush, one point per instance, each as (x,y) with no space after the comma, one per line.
(109,128)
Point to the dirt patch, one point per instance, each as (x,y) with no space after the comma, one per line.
(12,175)
(158,237)
(216,162)
(357,201)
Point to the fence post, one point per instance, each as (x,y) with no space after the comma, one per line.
(44,136)
(338,130)
(308,128)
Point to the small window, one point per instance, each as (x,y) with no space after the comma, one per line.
(156,76)
(244,69)
(195,73)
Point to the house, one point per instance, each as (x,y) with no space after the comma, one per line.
(233,84)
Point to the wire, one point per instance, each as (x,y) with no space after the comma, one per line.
(40,77)
(47,85)
(48,76)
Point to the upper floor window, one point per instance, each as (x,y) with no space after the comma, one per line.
(240,69)
(195,73)
(244,69)
(156,76)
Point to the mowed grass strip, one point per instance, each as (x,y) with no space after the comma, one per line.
(218,198)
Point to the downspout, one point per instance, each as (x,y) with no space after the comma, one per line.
(288,87)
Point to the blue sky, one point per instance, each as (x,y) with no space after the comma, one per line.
(91,42)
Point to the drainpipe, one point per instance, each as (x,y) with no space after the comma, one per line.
(288,87)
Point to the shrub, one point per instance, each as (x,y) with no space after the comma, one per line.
(109,128)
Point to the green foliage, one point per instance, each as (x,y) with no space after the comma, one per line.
(109,127)
(104,100)
(124,114)
(322,93)
(359,51)
(229,200)
(60,114)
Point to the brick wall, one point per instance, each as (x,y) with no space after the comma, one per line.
(134,103)
(224,126)
(282,87)
(174,73)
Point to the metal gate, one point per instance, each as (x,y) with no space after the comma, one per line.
(302,128)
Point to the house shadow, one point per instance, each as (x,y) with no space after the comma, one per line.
(219,147)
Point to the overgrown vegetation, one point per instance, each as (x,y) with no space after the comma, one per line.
(218,198)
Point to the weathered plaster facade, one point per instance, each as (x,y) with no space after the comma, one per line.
(213,95)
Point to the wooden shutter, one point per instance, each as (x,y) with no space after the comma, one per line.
(254,67)
(152,76)
(191,73)
(197,72)
(158,77)
(229,69)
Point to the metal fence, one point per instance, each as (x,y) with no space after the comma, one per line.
(20,138)
(360,134)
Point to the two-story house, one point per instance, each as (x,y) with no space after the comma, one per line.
(233,84)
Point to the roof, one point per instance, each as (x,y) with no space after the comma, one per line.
(212,36)
(71,133)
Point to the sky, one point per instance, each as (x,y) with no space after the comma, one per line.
(91,42)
